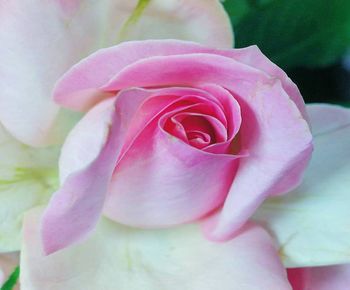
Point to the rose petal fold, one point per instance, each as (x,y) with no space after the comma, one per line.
(75,208)
(81,86)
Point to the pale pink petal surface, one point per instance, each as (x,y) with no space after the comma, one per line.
(134,259)
(311,223)
(76,207)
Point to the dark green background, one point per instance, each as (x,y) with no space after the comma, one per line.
(308,38)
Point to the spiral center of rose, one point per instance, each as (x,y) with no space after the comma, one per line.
(201,122)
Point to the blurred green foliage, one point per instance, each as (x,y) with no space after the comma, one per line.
(293,33)
(12,280)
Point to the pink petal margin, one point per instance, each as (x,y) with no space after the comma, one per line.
(320,278)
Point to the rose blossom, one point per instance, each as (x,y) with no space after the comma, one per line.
(175,133)
(40,41)
(310,224)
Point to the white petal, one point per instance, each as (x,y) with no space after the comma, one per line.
(40,40)
(203,21)
(26,180)
(132,259)
(311,224)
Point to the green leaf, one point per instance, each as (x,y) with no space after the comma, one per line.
(12,280)
(299,32)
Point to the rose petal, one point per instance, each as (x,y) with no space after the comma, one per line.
(76,207)
(80,87)
(144,259)
(170,181)
(320,278)
(277,157)
(38,47)
(196,20)
(311,223)
(27,179)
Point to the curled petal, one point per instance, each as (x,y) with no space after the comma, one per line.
(76,207)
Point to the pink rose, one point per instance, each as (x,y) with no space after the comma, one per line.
(175,132)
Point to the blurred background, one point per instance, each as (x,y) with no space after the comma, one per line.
(310,39)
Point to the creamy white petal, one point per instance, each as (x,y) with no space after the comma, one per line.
(40,40)
(311,223)
(27,179)
(117,257)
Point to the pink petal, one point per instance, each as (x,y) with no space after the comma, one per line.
(278,140)
(76,207)
(170,181)
(320,278)
(81,86)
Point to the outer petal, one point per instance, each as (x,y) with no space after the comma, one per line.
(40,41)
(80,87)
(277,157)
(311,223)
(27,178)
(8,263)
(58,33)
(320,278)
(152,260)
(203,21)
(76,207)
